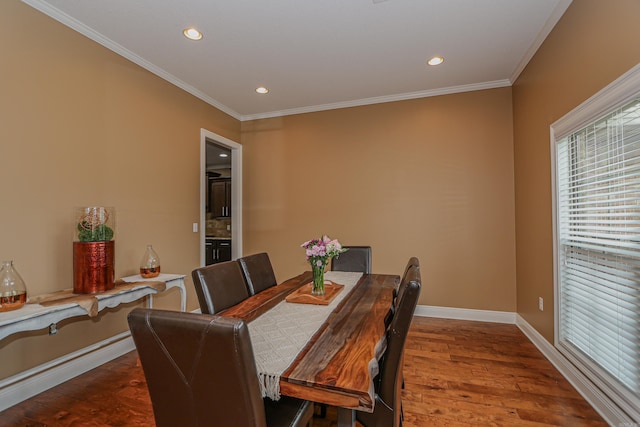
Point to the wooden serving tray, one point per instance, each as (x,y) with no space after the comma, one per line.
(302,295)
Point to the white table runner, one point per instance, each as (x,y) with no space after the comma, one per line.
(280,334)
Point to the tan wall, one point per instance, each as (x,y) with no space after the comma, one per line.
(594,43)
(80,126)
(431,178)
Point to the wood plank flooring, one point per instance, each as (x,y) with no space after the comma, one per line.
(457,373)
(460,373)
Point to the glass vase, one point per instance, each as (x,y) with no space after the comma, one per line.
(94,224)
(318,278)
(150,264)
(13,292)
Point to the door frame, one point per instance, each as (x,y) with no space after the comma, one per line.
(236,192)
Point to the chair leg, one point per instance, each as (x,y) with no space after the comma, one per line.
(320,410)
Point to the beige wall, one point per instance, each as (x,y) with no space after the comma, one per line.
(80,125)
(431,178)
(594,43)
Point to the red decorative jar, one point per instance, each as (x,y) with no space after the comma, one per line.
(94,250)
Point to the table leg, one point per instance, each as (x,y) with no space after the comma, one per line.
(346,417)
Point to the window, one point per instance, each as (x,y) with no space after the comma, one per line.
(597,240)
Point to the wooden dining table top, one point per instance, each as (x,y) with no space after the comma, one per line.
(338,364)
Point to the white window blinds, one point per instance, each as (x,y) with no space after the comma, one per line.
(598,232)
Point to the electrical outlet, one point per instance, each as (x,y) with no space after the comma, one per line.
(540,304)
(195,227)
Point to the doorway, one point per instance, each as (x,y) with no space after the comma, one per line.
(220,163)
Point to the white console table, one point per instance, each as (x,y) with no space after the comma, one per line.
(171,280)
(32,317)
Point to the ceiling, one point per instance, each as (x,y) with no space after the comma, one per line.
(317,54)
(213,158)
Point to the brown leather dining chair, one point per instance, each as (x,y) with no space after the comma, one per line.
(413,262)
(258,272)
(356,258)
(219,286)
(200,371)
(388,383)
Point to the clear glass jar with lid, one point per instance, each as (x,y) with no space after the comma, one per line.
(94,249)
(13,292)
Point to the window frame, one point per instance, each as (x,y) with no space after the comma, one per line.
(617,94)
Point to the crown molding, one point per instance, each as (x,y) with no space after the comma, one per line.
(81,28)
(553,19)
(380,99)
(88,32)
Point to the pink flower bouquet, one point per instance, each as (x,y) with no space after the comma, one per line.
(319,252)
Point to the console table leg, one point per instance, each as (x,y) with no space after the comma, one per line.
(183,296)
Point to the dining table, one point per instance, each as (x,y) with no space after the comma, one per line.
(336,362)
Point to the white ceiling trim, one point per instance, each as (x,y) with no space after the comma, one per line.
(381,99)
(557,13)
(78,26)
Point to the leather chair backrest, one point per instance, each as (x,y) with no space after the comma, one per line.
(390,379)
(413,262)
(357,258)
(219,286)
(258,272)
(200,369)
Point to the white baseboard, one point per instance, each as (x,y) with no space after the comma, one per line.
(27,384)
(466,314)
(607,409)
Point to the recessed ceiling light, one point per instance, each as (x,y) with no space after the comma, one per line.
(223,155)
(436,60)
(192,33)
(262,89)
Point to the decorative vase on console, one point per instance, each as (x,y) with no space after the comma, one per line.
(150,264)
(94,250)
(13,292)
(319,252)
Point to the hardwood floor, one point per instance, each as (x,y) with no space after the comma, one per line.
(457,373)
(460,373)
